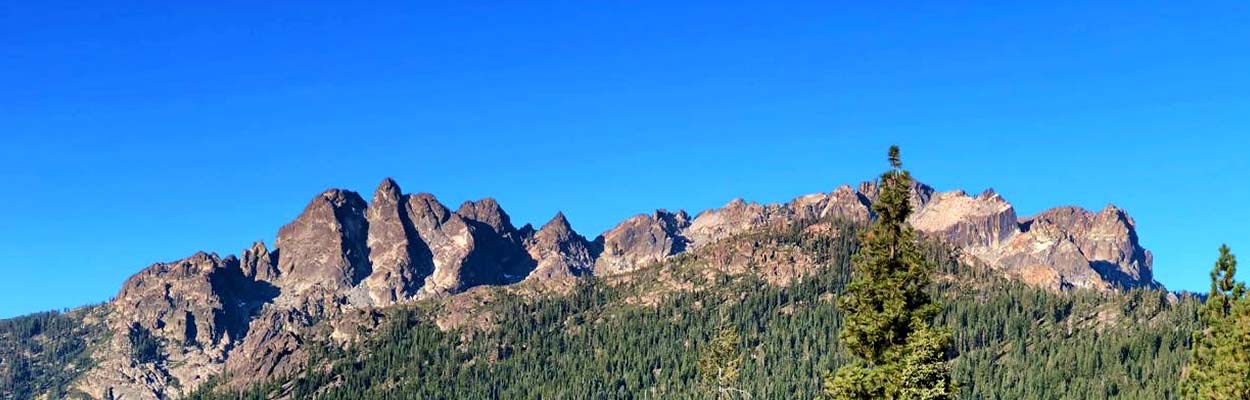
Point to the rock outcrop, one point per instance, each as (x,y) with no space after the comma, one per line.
(1085,249)
(198,301)
(450,240)
(258,263)
(640,241)
(736,217)
(325,247)
(560,252)
(739,216)
(982,221)
(1060,248)
(198,309)
(273,346)
(399,258)
(843,202)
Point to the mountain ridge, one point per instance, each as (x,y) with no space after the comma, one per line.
(343,256)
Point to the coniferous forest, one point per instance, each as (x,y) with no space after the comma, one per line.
(43,352)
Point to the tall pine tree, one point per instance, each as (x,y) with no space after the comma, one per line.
(888,315)
(1219,366)
(721,364)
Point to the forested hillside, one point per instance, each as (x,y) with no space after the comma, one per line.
(41,353)
(642,337)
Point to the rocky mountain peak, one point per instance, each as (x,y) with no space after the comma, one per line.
(500,248)
(673,221)
(388,191)
(1060,247)
(847,203)
(990,194)
(258,263)
(559,252)
(558,225)
(740,216)
(396,255)
(426,208)
(326,245)
(200,306)
(1113,213)
(488,212)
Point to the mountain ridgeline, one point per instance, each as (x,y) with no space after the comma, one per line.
(347,270)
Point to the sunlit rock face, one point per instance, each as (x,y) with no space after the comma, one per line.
(560,253)
(1061,247)
(982,221)
(326,245)
(641,240)
(1086,249)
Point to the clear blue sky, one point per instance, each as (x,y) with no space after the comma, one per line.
(132,133)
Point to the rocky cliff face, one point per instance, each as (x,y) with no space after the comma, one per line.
(559,251)
(641,240)
(325,247)
(982,221)
(258,263)
(501,254)
(1060,248)
(198,308)
(249,316)
(1085,249)
(399,257)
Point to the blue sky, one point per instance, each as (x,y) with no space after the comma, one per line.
(137,133)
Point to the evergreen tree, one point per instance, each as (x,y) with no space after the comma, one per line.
(1219,366)
(888,320)
(721,364)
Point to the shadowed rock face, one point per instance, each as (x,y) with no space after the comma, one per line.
(450,241)
(500,250)
(251,315)
(200,308)
(198,301)
(400,259)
